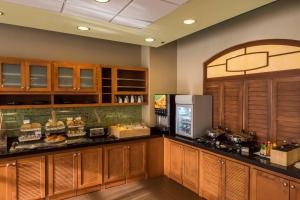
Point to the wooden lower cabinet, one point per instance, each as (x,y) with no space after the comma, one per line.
(223,179)
(89,168)
(167,154)
(62,173)
(265,185)
(136,160)
(176,162)
(30,178)
(294,190)
(184,165)
(123,162)
(210,176)
(8,180)
(68,172)
(236,181)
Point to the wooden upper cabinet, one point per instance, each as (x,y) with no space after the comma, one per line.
(87,78)
(176,161)
(214,89)
(233,105)
(8,180)
(62,173)
(294,190)
(31,180)
(71,77)
(136,160)
(115,163)
(38,76)
(236,181)
(64,77)
(89,167)
(131,80)
(210,176)
(258,107)
(190,172)
(286,109)
(12,75)
(265,185)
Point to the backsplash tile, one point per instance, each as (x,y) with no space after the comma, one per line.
(12,119)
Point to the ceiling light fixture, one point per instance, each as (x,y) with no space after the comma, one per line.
(102,1)
(83,28)
(1,13)
(149,39)
(189,21)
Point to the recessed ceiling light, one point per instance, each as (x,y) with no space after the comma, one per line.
(83,28)
(149,39)
(189,21)
(1,13)
(102,1)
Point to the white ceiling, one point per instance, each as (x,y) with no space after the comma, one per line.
(132,13)
(129,21)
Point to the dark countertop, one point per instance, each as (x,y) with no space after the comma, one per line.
(253,160)
(64,146)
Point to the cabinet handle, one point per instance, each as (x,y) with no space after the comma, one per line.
(79,154)
(78,89)
(22,87)
(285,184)
(11,164)
(222,162)
(293,187)
(2,85)
(28,88)
(74,88)
(75,154)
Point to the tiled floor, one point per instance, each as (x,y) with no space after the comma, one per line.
(153,189)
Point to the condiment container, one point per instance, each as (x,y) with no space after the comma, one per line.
(285,155)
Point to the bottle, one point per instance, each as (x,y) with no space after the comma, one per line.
(269,147)
(263,149)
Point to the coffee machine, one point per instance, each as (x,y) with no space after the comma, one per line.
(164,105)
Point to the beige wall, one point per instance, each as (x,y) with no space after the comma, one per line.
(162,65)
(278,20)
(32,43)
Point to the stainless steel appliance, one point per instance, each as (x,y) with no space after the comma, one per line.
(96,132)
(193,115)
(164,105)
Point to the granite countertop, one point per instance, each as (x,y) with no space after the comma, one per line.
(69,144)
(252,159)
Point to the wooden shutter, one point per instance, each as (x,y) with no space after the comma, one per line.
(236,181)
(257,108)
(214,90)
(31,178)
(286,116)
(233,105)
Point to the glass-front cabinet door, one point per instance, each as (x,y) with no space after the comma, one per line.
(64,77)
(12,75)
(184,120)
(87,81)
(38,76)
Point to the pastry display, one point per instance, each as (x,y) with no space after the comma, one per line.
(54,126)
(55,138)
(30,127)
(77,122)
(75,127)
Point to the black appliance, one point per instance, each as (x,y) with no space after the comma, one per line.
(96,131)
(165,108)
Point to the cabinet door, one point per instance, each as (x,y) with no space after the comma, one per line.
(136,160)
(167,155)
(86,78)
(62,175)
(65,77)
(294,190)
(176,162)
(190,172)
(214,89)
(90,168)
(115,163)
(210,177)
(8,180)
(31,178)
(286,109)
(258,107)
(236,181)
(12,75)
(233,105)
(265,185)
(38,76)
